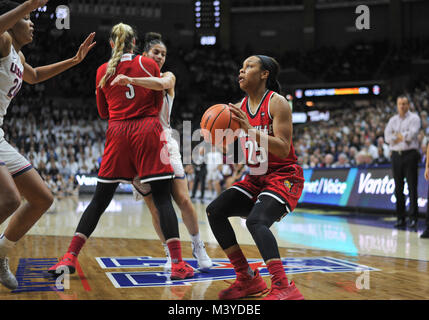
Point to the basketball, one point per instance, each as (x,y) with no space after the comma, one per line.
(219,117)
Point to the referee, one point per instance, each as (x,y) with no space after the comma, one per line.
(401,135)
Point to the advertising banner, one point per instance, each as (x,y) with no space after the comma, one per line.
(372,188)
(87,184)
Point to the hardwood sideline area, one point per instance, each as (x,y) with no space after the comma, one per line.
(397,278)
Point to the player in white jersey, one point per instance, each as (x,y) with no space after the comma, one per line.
(156,49)
(17,176)
(214,161)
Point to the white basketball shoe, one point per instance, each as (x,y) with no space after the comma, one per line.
(199,253)
(6,276)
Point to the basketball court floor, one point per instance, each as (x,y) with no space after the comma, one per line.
(330,255)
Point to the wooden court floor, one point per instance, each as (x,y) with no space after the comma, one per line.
(319,273)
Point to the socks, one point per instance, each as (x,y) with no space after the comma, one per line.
(195,238)
(5,245)
(277,272)
(167,251)
(76,244)
(175,250)
(239,261)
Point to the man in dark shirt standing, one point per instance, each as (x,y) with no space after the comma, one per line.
(200,174)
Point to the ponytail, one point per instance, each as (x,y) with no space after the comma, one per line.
(122,35)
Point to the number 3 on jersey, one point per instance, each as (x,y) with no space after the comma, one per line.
(130,94)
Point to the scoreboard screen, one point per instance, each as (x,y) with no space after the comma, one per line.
(207,20)
(370,90)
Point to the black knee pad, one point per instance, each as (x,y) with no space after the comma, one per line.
(265,212)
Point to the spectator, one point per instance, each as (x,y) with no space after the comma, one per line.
(371,149)
(328,161)
(343,161)
(384,146)
(64,169)
(200,174)
(52,168)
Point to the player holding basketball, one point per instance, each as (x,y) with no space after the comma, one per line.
(262,199)
(17,176)
(134,147)
(156,49)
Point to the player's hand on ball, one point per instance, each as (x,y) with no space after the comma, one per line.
(241,117)
(121,80)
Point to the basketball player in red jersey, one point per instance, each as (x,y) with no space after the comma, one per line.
(133,148)
(156,49)
(261,198)
(17,175)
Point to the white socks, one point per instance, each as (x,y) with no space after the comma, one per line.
(167,251)
(195,238)
(5,245)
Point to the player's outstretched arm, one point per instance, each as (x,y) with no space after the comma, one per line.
(40,74)
(165,82)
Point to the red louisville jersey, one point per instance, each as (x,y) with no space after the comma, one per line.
(128,102)
(262,120)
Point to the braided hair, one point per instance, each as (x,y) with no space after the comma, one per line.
(122,35)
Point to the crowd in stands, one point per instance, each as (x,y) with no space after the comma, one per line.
(56,125)
(356,138)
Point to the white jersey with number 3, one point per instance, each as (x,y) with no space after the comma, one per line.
(11,73)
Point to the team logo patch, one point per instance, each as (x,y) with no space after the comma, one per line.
(222,270)
(288,185)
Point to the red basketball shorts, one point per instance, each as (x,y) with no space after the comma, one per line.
(135,148)
(285,185)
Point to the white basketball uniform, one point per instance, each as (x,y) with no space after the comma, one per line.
(213,160)
(139,189)
(11,76)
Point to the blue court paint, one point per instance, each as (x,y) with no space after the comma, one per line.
(32,275)
(222,270)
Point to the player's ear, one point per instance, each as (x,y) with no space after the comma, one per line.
(265,74)
(112,44)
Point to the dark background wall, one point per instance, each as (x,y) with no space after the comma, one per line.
(306,25)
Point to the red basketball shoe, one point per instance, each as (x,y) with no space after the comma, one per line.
(68,261)
(284,291)
(244,286)
(181,270)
